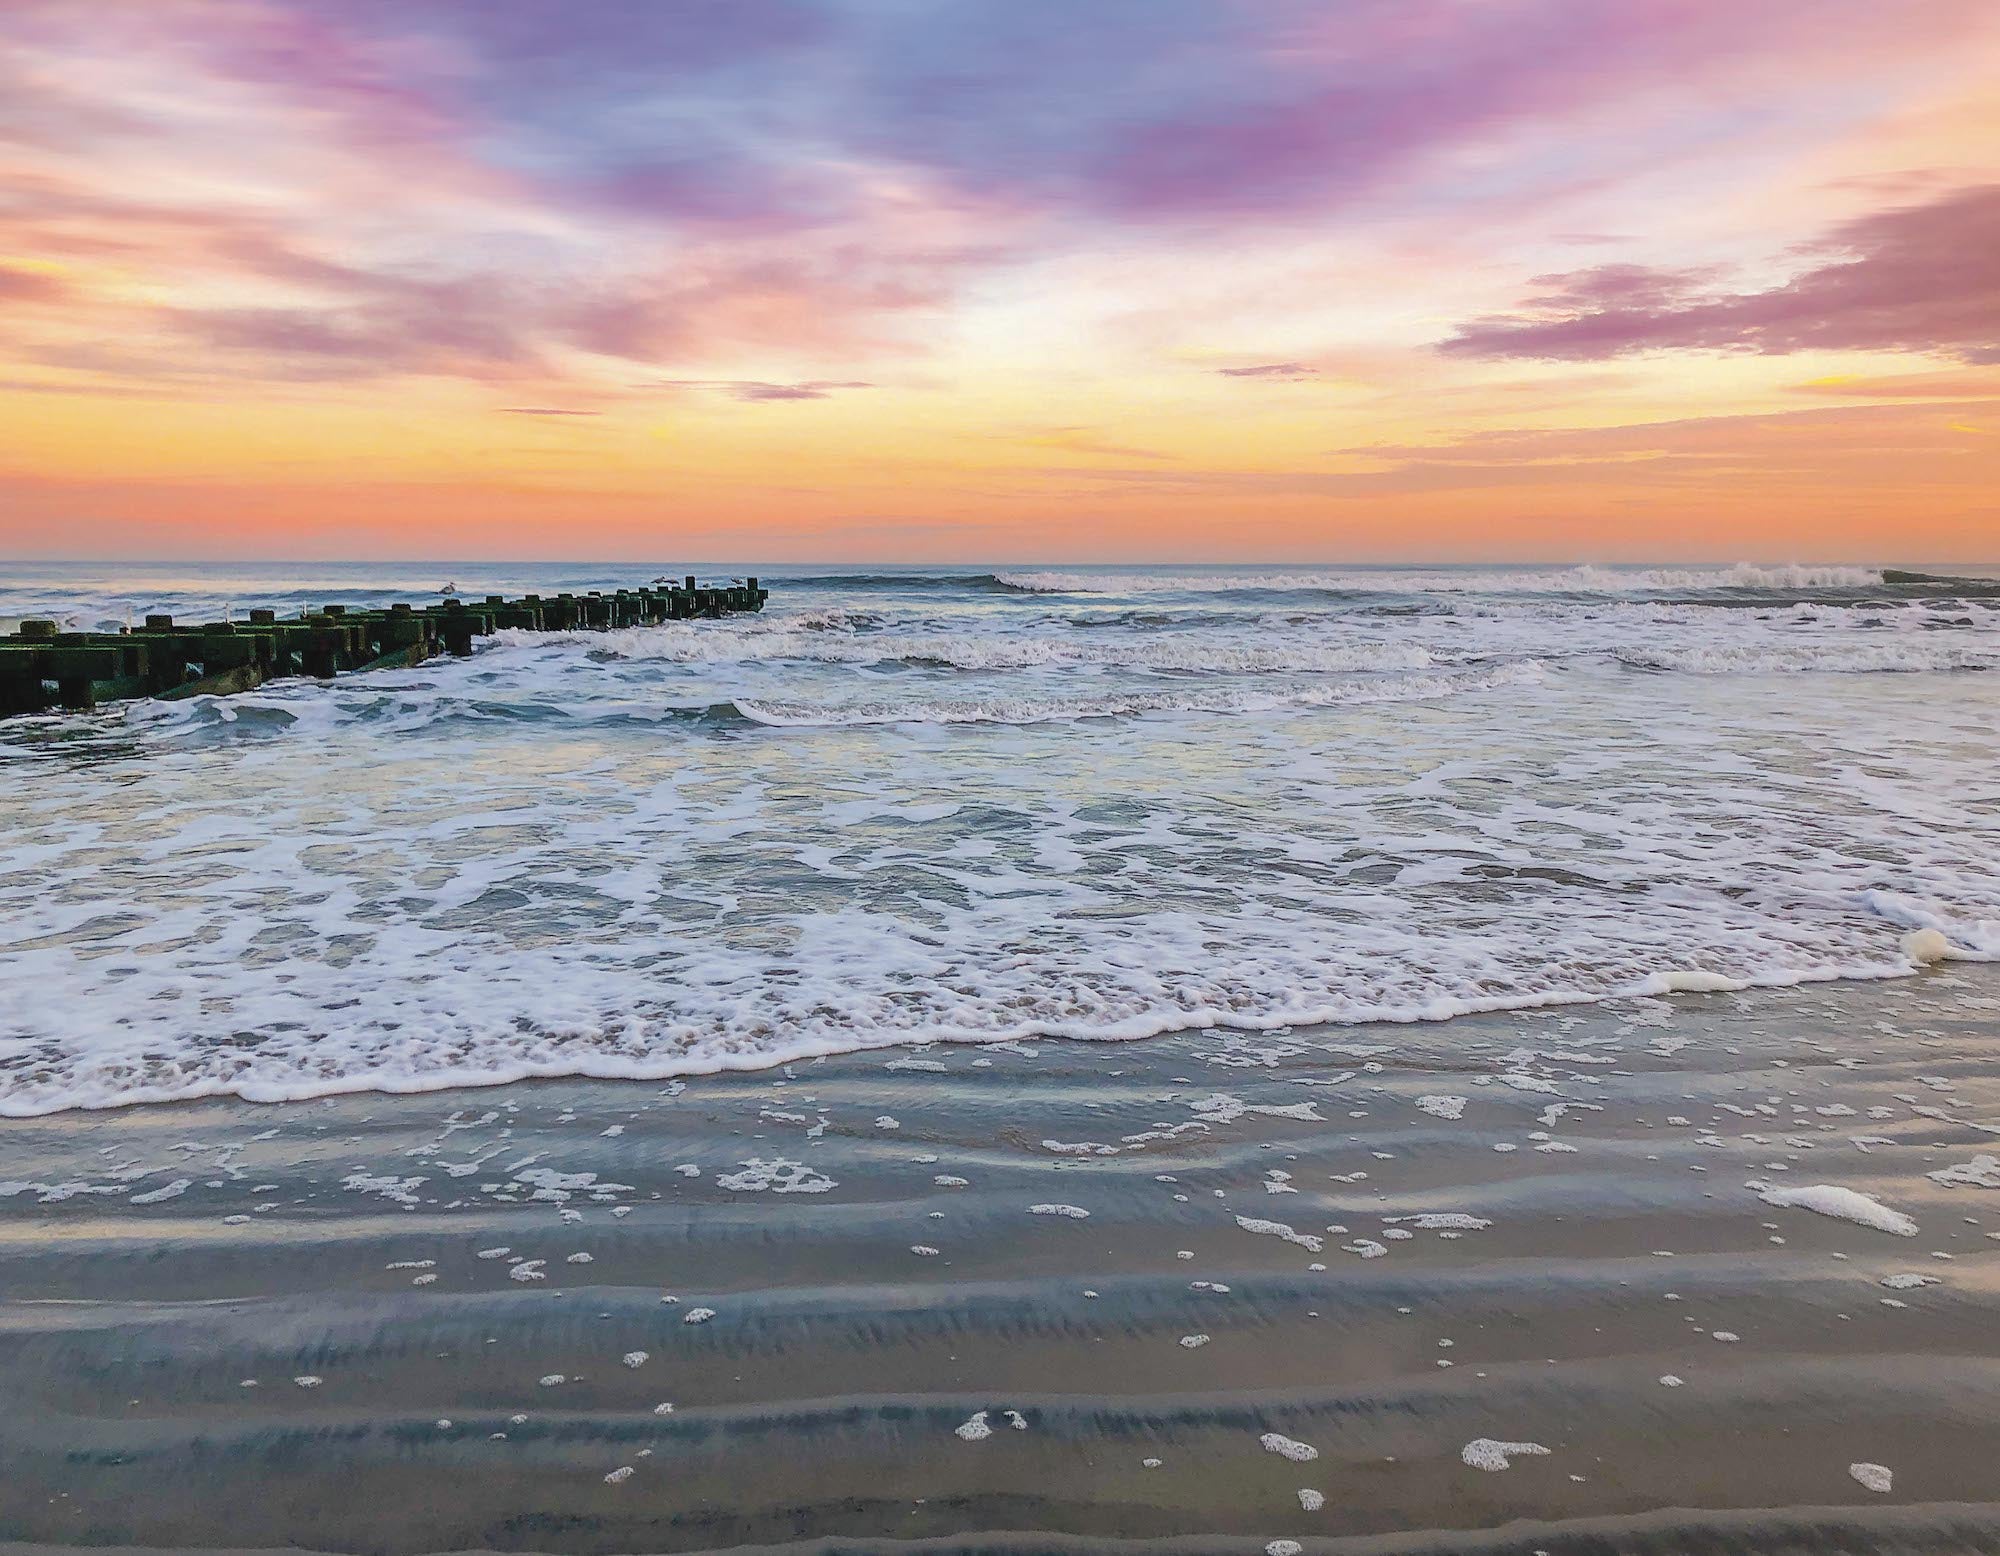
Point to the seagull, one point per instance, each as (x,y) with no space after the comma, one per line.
(450,588)
(663,578)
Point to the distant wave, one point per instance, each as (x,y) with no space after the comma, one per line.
(1574,580)
(892,581)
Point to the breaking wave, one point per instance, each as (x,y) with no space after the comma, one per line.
(1867,657)
(1183,653)
(1042,710)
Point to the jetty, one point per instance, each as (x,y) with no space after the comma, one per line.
(43,667)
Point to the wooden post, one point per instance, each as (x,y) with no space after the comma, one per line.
(21,689)
(326,647)
(456,628)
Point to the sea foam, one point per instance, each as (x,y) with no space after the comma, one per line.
(939,806)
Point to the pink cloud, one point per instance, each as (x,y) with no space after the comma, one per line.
(28,286)
(1922,278)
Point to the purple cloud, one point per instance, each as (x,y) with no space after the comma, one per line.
(1313,107)
(501,189)
(1914,278)
(752,110)
(456,330)
(721,191)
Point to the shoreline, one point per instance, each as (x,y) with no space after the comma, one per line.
(1555,1203)
(1654,986)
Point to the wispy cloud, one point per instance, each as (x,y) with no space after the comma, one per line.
(1282,371)
(1952,384)
(1799,443)
(754,392)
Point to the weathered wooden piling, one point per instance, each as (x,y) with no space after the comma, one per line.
(42,666)
(21,686)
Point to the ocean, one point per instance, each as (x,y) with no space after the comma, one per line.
(978,805)
(1098,1170)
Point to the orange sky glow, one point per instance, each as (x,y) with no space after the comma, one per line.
(1535,279)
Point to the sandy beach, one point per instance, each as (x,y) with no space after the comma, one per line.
(1538,1281)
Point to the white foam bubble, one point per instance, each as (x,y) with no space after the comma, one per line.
(1278,1229)
(777,1176)
(1843,1204)
(1982,1172)
(1491,1455)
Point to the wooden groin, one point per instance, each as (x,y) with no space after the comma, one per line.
(43,667)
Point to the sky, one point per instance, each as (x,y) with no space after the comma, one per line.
(1060,280)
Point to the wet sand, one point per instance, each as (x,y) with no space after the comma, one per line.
(817,1308)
